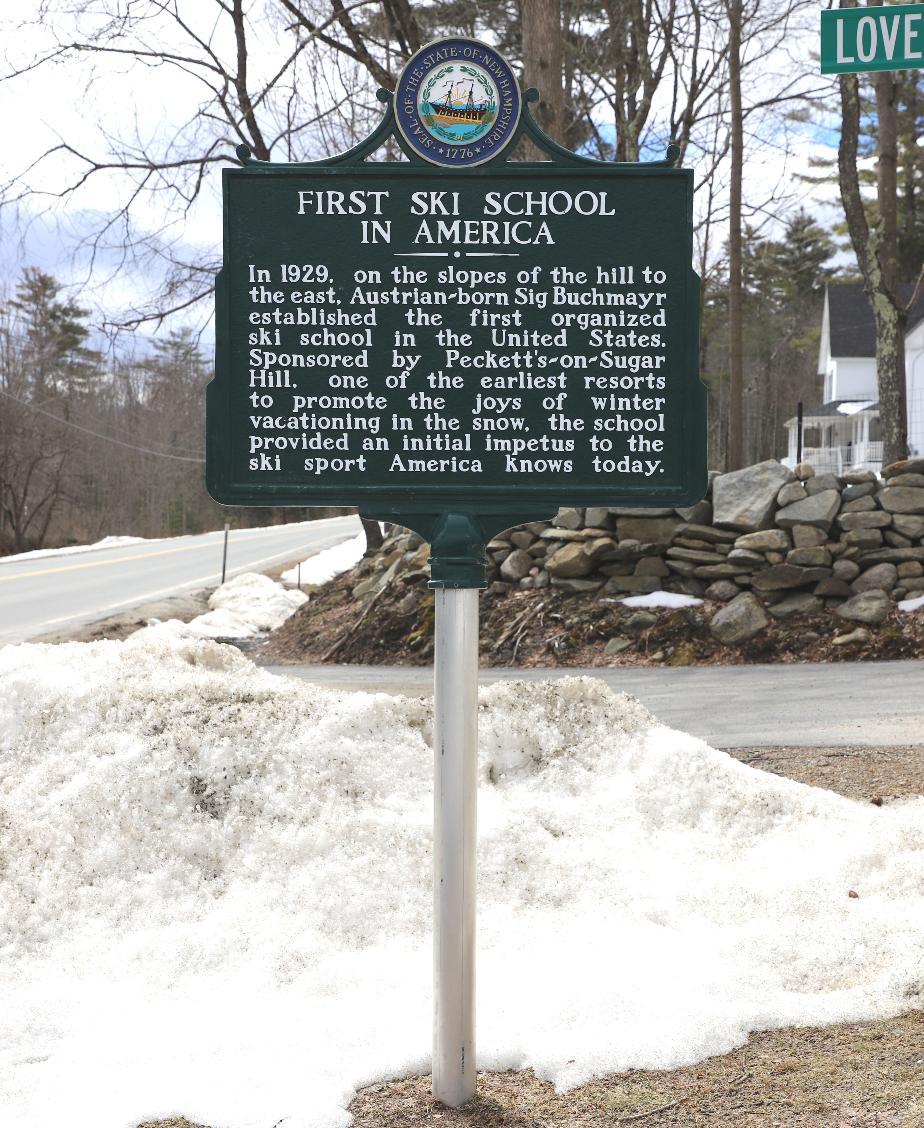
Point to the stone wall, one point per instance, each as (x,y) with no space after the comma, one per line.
(765,541)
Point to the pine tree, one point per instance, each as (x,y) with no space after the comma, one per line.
(53,334)
(800,258)
(783,286)
(46,371)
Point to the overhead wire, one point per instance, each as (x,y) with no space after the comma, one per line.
(97,434)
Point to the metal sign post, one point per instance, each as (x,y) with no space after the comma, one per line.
(457,343)
(224,552)
(455,754)
(800,432)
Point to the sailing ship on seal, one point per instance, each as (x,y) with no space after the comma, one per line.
(458,104)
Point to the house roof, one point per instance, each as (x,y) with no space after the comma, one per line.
(840,409)
(851,326)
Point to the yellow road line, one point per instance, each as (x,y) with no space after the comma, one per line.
(139,600)
(99,613)
(162,552)
(102,563)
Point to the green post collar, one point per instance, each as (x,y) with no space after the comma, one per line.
(457,540)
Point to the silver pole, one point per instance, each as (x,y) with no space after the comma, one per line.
(455,746)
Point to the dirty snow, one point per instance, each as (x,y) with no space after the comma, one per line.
(248,605)
(911,604)
(215,895)
(73,549)
(662,599)
(330,562)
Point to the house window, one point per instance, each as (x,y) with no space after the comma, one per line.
(875,431)
(812,437)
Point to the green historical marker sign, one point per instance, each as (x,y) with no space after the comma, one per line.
(872,39)
(488,342)
(457,343)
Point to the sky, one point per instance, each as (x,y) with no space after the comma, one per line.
(67,104)
(58,104)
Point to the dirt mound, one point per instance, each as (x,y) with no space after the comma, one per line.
(381,613)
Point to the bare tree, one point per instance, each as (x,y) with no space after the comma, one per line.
(543,62)
(754,32)
(734,458)
(295,79)
(641,35)
(391,36)
(249,92)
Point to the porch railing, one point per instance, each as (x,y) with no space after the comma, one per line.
(837,459)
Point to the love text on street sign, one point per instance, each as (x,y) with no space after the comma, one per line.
(872,39)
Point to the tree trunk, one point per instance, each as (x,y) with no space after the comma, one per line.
(886,179)
(543,64)
(619,15)
(735,454)
(889,315)
(875,251)
(373,531)
(890,373)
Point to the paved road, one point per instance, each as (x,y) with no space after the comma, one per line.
(54,592)
(860,703)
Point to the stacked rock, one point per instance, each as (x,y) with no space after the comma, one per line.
(587,550)
(766,542)
(402,558)
(797,540)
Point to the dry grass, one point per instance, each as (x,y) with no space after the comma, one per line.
(871,775)
(864,1075)
(173,1122)
(854,1076)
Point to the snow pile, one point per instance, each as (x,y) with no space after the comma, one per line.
(671,599)
(330,562)
(911,604)
(248,605)
(73,549)
(215,894)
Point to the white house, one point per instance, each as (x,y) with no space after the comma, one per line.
(844,431)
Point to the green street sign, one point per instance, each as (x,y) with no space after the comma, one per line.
(457,349)
(872,39)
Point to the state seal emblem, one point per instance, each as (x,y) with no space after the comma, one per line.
(457,103)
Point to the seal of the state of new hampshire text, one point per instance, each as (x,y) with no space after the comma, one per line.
(457,103)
